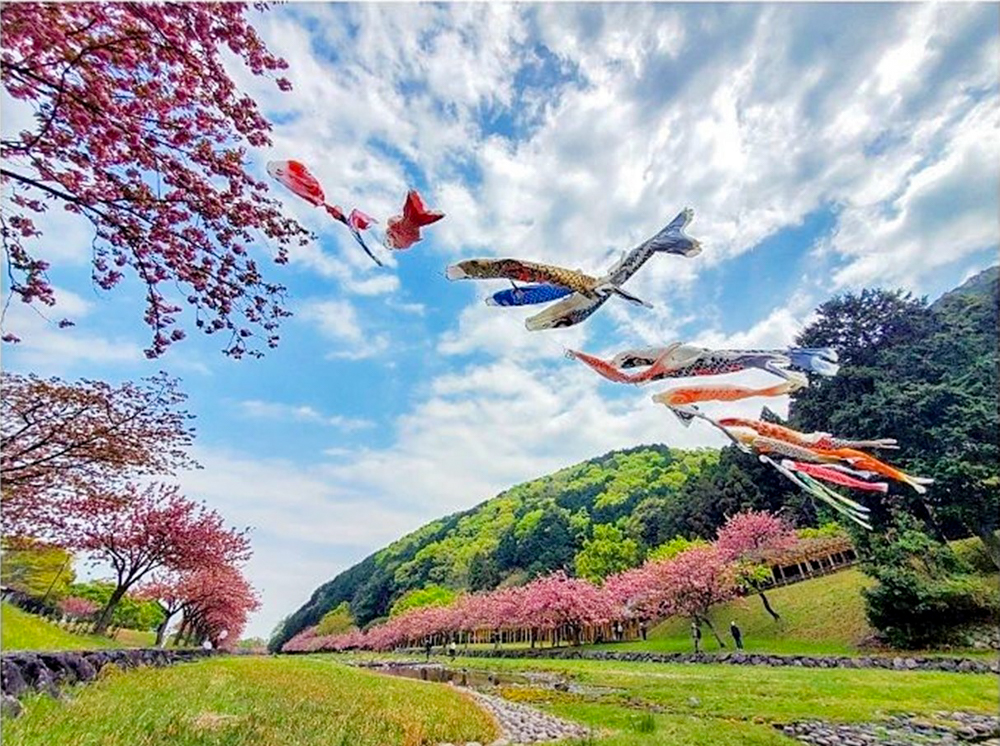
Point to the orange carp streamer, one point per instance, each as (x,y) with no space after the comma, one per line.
(687,395)
(806,440)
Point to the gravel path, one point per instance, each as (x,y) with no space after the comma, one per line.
(520,724)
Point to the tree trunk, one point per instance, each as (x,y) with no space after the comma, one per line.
(990,541)
(180,632)
(161,631)
(767,606)
(104,619)
(714,633)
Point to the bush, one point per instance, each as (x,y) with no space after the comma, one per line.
(925,591)
(826,531)
(972,552)
(912,611)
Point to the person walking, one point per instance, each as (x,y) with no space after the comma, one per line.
(618,631)
(696,636)
(452,649)
(428,647)
(642,628)
(737,635)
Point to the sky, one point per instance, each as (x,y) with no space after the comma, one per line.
(823,147)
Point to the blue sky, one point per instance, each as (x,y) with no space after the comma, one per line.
(823,148)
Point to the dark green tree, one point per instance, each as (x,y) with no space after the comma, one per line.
(483,572)
(926,376)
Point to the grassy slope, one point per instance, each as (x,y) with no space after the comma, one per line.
(731,705)
(289,701)
(24,631)
(824,615)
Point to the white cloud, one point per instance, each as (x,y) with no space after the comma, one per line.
(300,413)
(305,529)
(47,349)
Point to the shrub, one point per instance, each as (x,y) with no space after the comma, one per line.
(914,611)
(925,592)
(972,552)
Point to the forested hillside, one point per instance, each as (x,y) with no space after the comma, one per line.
(531,529)
(924,374)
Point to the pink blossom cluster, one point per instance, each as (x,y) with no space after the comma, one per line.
(141,129)
(77,608)
(688,584)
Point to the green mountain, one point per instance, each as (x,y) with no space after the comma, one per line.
(531,529)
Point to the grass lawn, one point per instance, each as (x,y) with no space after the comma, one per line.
(23,631)
(730,705)
(136,638)
(292,701)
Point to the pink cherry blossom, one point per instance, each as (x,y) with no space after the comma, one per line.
(140,128)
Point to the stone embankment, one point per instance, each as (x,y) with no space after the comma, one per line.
(26,672)
(898,663)
(902,730)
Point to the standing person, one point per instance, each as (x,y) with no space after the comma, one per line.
(452,649)
(618,631)
(737,635)
(427,647)
(696,636)
(642,628)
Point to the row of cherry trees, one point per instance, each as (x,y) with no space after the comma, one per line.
(76,466)
(687,584)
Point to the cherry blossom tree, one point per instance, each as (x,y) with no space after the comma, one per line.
(746,540)
(140,530)
(218,600)
(691,583)
(634,592)
(76,607)
(60,438)
(559,602)
(140,128)
(168,593)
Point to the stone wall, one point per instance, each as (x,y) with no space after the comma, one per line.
(908,663)
(26,672)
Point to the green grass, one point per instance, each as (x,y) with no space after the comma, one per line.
(823,615)
(730,705)
(136,638)
(249,701)
(24,631)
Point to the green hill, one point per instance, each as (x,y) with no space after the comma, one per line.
(530,529)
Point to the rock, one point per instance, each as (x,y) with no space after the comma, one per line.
(12,680)
(10,707)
